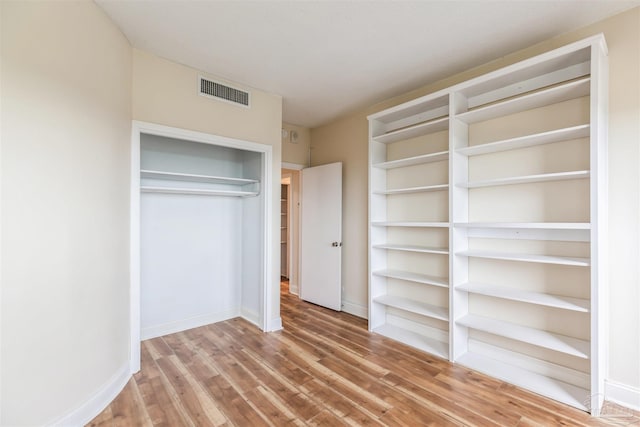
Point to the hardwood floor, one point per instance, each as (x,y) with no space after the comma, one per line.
(324,368)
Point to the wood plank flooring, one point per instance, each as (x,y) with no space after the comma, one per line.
(323,369)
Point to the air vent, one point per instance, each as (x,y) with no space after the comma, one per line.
(223,92)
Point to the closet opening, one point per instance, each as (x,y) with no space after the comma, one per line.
(201,232)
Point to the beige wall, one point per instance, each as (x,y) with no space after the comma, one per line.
(65,120)
(346,140)
(298,152)
(165,93)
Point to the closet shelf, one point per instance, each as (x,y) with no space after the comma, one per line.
(414,339)
(175,176)
(419,129)
(424,189)
(409,224)
(544,259)
(197,191)
(537,298)
(413,306)
(552,95)
(413,248)
(560,343)
(412,277)
(555,389)
(416,160)
(527,179)
(565,134)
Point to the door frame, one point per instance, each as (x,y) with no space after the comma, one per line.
(268,287)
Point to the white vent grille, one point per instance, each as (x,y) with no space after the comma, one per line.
(219,91)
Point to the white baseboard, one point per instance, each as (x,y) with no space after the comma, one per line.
(622,394)
(294,289)
(98,401)
(184,324)
(251,316)
(274,325)
(355,309)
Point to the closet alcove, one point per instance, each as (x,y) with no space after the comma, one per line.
(200,231)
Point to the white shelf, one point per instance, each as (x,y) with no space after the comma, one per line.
(197,191)
(527,225)
(560,343)
(413,277)
(559,176)
(425,189)
(413,306)
(542,259)
(558,390)
(411,161)
(413,248)
(410,224)
(557,135)
(538,298)
(175,176)
(419,129)
(563,92)
(414,339)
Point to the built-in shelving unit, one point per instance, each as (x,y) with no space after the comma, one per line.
(487,215)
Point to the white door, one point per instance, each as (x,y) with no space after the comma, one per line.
(321,236)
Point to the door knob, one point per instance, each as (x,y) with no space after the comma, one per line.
(336,244)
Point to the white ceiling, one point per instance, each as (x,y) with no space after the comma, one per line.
(327,58)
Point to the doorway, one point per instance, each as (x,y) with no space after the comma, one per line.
(290,230)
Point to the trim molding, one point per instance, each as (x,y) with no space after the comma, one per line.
(293,166)
(98,401)
(622,394)
(191,322)
(355,309)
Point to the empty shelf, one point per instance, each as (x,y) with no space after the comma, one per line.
(414,339)
(527,179)
(175,176)
(563,92)
(409,190)
(409,224)
(548,300)
(412,131)
(413,277)
(561,343)
(544,259)
(413,306)
(527,225)
(555,389)
(411,161)
(558,135)
(414,248)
